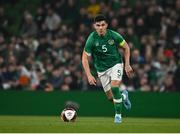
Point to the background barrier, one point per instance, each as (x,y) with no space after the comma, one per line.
(92,103)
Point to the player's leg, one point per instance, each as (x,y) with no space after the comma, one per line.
(117,99)
(106,84)
(117,74)
(111,89)
(113,94)
(125,97)
(116,78)
(109,95)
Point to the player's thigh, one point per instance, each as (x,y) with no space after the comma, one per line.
(116,74)
(106,82)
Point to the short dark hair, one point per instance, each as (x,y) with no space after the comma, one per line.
(100,17)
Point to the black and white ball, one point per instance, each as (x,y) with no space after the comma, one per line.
(68,115)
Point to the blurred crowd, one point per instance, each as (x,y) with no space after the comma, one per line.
(47,54)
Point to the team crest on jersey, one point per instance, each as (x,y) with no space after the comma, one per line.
(111,42)
(97,44)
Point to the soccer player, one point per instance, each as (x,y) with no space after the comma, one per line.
(102,45)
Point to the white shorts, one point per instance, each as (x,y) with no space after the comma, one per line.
(113,73)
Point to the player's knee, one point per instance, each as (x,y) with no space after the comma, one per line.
(115,83)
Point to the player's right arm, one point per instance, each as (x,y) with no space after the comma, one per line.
(85,60)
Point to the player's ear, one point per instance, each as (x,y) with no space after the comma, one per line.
(94,25)
(106,25)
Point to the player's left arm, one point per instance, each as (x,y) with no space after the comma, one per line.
(128,68)
(123,44)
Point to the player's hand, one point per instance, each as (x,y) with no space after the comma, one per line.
(91,80)
(129,71)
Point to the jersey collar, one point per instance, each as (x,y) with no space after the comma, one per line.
(104,35)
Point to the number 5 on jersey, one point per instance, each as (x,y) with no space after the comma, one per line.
(104,48)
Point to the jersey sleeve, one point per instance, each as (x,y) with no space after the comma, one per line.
(118,38)
(88,45)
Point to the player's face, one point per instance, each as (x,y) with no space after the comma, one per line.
(101,27)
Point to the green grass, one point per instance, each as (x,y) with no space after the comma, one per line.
(47,124)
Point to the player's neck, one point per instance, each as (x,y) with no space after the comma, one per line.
(103,34)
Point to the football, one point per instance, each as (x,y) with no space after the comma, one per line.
(68,115)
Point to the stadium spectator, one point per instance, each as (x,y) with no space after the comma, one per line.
(4,22)
(56,77)
(52,21)
(93,8)
(40,17)
(70,11)
(29,27)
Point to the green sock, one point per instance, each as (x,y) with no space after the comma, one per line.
(117,98)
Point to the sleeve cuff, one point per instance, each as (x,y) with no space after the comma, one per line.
(89,54)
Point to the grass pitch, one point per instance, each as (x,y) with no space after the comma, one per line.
(52,124)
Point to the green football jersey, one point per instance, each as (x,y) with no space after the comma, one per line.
(104,49)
